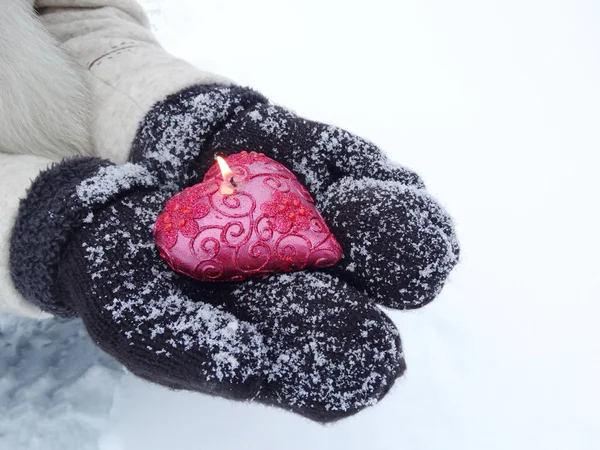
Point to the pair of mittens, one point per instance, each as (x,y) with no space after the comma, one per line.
(313,342)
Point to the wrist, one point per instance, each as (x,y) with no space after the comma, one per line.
(60,200)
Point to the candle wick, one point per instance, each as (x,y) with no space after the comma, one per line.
(232,181)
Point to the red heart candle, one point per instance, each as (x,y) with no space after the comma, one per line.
(251,218)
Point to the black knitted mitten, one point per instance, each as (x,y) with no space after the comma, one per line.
(311,342)
(399,243)
(307,342)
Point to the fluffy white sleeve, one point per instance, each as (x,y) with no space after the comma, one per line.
(43,100)
(126,69)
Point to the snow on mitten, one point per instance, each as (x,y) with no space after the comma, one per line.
(399,243)
(82,246)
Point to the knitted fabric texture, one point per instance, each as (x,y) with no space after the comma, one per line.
(314,343)
(305,342)
(399,242)
(173,140)
(56,204)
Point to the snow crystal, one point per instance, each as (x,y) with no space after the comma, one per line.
(112,180)
(255,116)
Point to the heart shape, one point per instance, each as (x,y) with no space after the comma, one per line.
(267,223)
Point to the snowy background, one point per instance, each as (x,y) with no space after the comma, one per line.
(497,105)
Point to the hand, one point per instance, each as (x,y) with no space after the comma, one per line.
(399,243)
(313,343)
(306,342)
(181,135)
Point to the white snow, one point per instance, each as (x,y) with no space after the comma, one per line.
(496,105)
(56,386)
(110,180)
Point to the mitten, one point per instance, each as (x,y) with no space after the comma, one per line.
(307,342)
(399,243)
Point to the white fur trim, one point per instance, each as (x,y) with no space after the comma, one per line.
(44,104)
(127,70)
(16,174)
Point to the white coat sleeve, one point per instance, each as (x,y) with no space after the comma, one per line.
(44,117)
(43,100)
(16,174)
(126,69)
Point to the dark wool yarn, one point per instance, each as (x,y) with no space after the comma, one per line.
(47,215)
(399,243)
(314,343)
(173,140)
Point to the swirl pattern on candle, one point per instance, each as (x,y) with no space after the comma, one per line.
(267,224)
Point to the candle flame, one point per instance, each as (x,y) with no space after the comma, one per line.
(225,169)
